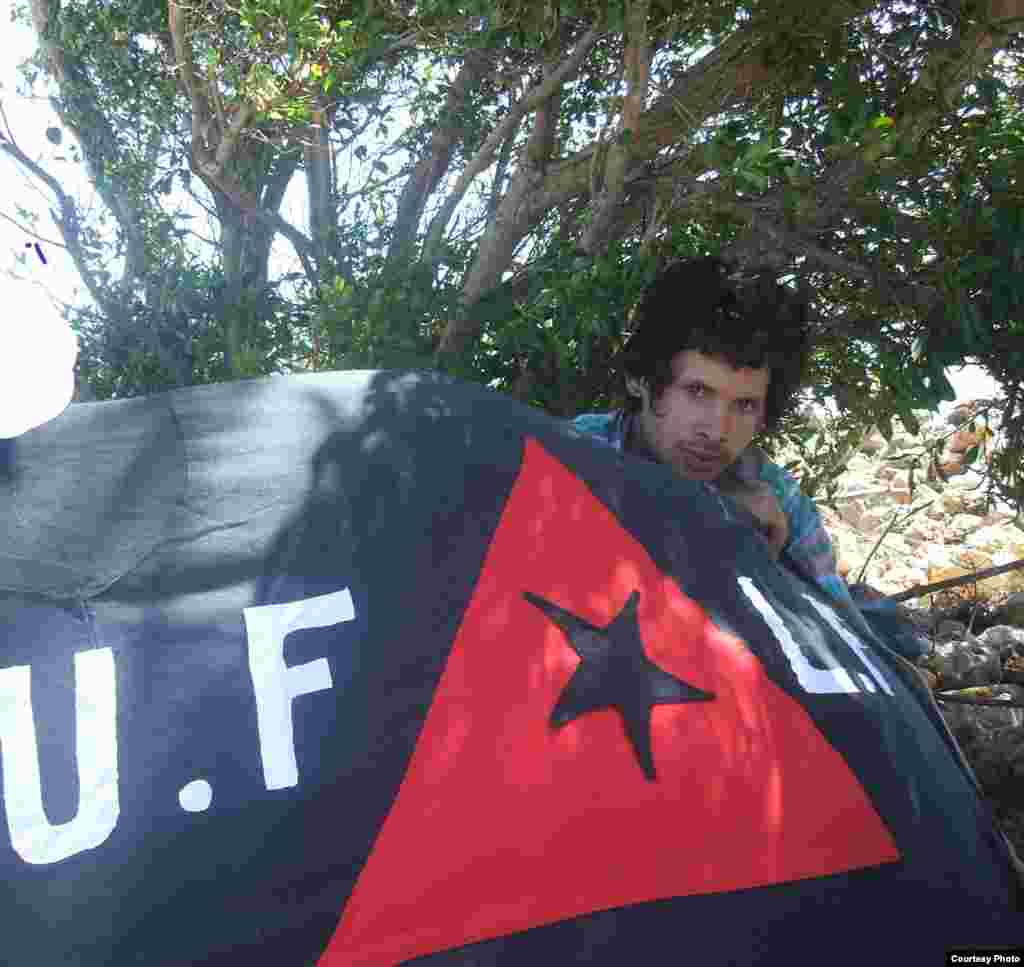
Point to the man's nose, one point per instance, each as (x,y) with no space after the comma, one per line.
(715,422)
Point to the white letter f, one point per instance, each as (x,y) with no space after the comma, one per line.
(276,685)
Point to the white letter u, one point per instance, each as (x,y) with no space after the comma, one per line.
(33,837)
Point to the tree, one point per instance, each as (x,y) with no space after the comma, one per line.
(489,185)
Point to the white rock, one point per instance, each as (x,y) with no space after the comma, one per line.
(938,557)
(970,558)
(1004,636)
(952,502)
(923,494)
(955,533)
(899,577)
(874,518)
(921,528)
(896,545)
(962,663)
(990,538)
(962,526)
(851,510)
(873,442)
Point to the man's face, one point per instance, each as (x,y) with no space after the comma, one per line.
(707,416)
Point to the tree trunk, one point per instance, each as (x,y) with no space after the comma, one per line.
(318,163)
(514,217)
(431,168)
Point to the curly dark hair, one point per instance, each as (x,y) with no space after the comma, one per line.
(750,322)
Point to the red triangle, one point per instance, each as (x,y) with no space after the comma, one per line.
(502,824)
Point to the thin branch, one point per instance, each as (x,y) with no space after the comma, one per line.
(504,156)
(489,149)
(7,124)
(609,196)
(67,221)
(968,700)
(231,133)
(28,231)
(885,533)
(921,590)
(208,241)
(300,243)
(899,291)
(428,171)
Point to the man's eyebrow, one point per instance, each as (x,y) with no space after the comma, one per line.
(697,381)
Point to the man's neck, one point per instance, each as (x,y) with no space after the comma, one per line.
(636,443)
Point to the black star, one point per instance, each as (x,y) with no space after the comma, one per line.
(616,673)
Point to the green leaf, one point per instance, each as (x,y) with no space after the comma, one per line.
(760,150)
(972,454)
(884,425)
(910,422)
(971,327)
(755,179)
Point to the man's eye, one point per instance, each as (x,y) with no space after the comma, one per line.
(696,389)
(749,406)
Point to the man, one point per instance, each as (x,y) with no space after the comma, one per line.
(713,362)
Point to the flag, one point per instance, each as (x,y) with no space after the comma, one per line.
(374,668)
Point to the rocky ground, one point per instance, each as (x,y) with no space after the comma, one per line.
(975,666)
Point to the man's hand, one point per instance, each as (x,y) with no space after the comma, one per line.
(869,593)
(760,500)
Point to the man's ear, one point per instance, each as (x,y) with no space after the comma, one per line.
(635,388)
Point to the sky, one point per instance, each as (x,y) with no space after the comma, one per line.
(57,277)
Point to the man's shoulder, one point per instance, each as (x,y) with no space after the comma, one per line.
(607,427)
(587,420)
(761,467)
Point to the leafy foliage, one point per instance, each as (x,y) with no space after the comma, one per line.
(472,208)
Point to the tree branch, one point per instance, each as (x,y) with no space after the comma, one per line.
(28,231)
(531,101)
(920,297)
(617,161)
(303,246)
(66,222)
(922,589)
(504,157)
(430,169)
(177,23)
(968,700)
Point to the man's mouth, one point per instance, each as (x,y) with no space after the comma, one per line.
(701,460)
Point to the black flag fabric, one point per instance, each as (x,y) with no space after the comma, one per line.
(372,668)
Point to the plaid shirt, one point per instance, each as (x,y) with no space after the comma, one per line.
(809,548)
